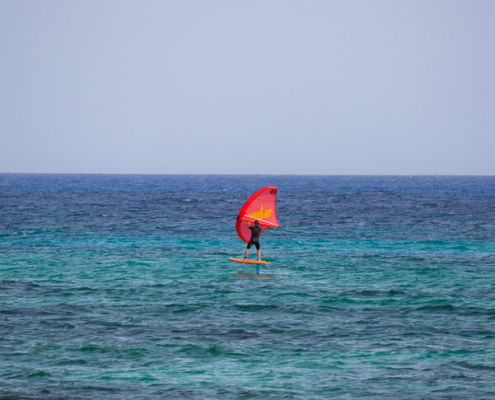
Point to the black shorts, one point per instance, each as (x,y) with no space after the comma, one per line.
(256,243)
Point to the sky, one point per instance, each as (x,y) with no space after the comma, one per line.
(248,87)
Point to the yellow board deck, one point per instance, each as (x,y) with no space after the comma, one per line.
(248,261)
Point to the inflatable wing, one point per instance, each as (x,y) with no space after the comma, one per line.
(262,207)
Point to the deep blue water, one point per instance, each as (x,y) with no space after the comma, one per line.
(118,286)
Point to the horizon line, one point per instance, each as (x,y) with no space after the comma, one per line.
(211,174)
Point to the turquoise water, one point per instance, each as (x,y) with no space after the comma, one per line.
(120,287)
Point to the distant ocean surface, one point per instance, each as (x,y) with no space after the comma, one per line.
(118,286)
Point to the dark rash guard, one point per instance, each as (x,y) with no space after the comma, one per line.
(255,235)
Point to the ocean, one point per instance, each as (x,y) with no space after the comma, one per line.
(119,286)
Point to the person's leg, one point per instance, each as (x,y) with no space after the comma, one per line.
(247,250)
(259,252)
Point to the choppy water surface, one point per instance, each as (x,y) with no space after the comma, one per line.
(120,287)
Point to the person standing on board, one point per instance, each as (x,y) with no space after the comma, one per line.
(255,236)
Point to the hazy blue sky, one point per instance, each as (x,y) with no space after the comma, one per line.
(248,87)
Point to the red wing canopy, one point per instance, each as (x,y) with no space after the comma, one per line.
(262,207)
